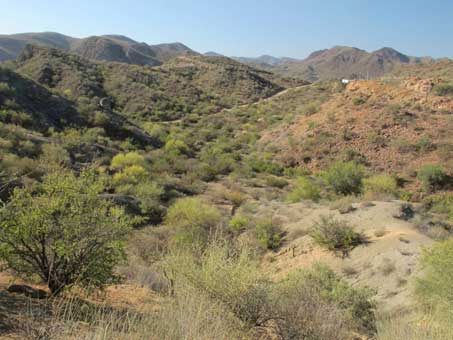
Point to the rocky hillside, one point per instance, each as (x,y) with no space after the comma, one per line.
(393,124)
(108,47)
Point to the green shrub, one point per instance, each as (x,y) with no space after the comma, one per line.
(335,235)
(433,177)
(193,221)
(443,89)
(176,147)
(268,234)
(156,131)
(310,109)
(440,204)
(133,174)
(381,184)
(359,101)
(304,189)
(276,182)
(216,162)
(236,198)
(149,194)
(238,224)
(122,160)
(344,178)
(357,305)
(264,166)
(308,304)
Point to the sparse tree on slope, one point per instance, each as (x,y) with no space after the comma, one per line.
(62,231)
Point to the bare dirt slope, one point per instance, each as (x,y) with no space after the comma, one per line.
(386,263)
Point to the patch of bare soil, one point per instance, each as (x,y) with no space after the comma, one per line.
(386,262)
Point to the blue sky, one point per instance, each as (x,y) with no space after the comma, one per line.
(291,28)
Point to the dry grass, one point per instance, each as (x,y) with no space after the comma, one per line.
(435,325)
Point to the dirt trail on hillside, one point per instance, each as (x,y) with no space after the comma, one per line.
(261,100)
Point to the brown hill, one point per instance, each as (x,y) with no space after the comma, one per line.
(339,62)
(393,125)
(108,48)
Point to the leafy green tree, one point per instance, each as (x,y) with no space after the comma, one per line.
(64,232)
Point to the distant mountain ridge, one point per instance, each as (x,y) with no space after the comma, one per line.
(106,48)
(337,62)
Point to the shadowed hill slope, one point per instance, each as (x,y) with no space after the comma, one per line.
(184,85)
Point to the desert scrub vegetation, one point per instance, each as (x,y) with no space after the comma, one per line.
(192,221)
(443,89)
(380,186)
(276,182)
(222,293)
(299,305)
(305,188)
(335,235)
(432,325)
(433,177)
(441,204)
(71,236)
(344,178)
(268,233)
(435,287)
(238,224)
(357,101)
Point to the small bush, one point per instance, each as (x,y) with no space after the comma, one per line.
(344,178)
(381,184)
(268,234)
(359,101)
(265,166)
(310,109)
(192,220)
(276,182)
(121,160)
(303,289)
(238,224)
(440,204)
(236,198)
(335,235)
(443,89)
(433,177)
(304,189)
(176,147)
